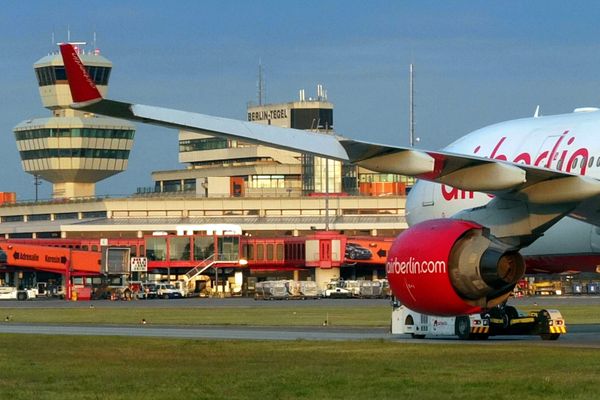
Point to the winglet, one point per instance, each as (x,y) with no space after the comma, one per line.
(83,89)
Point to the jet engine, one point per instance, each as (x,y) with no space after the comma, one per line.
(452,267)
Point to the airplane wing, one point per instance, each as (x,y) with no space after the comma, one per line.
(501,178)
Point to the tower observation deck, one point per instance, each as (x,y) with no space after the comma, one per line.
(72,149)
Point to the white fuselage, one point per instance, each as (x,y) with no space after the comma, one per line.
(569,143)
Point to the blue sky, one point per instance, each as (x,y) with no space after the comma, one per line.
(477,63)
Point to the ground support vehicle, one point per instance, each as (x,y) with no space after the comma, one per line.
(12,293)
(167,291)
(335,290)
(501,320)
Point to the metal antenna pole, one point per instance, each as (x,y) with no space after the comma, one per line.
(326,187)
(260,83)
(411,109)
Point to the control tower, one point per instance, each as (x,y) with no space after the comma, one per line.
(72,149)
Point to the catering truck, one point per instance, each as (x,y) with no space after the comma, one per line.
(501,320)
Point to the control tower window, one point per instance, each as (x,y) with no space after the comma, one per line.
(75,152)
(99,74)
(75,132)
(60,74)
(56,74)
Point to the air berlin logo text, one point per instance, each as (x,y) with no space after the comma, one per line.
(83,70)
(562,155)
(413,266)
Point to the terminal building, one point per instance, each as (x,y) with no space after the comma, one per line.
(266,192)
(224,167)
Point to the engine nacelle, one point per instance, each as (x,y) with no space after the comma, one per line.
(451,267)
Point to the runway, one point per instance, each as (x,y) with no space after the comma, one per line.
(578,336)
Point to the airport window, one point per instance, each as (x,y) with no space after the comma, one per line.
(249,251)
(93,214)
(50,75)
(20,235)
(179,248)
(172,186)
(189,185)
(289,251)
(156,248)
(229,248)
(48,235)
(266,182)
(12,218)
(598,161)
(260,251)
(202,144)
(77,152)
(99,75)
(75,132)
(71,215)
(369,178)
(60,74)
(39,217)
(574,165)
(204,247)
(311,118)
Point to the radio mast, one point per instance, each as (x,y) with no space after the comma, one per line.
(411,107)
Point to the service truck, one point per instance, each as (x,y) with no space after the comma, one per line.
(500,320)
(13,293)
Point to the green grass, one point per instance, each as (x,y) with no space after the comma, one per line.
(575,314)
(260,315)
(62,367)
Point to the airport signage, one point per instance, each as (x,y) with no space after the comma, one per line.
(139,264)
(268,114)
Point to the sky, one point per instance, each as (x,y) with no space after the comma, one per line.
(476,63)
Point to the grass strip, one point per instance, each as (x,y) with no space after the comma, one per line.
(62,367)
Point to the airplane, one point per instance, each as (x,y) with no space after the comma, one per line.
(514,192)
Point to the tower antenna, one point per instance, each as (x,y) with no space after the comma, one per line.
(261,84)
(411,108)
